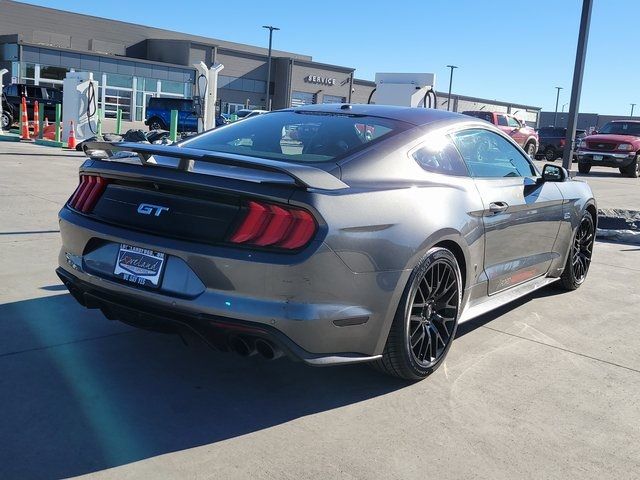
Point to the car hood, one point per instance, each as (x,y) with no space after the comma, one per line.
(611,138)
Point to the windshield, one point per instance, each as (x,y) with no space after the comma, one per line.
(297,136)
(621,128)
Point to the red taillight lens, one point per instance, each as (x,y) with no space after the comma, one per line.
(563,142)
(88,192)
(278,226)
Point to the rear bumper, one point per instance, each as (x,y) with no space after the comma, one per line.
(311,304)
(216,331)
(608,159)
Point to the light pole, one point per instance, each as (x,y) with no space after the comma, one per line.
(564,105)
(576,87)
(632,105)
(450,83)
(271,29)
(555,115)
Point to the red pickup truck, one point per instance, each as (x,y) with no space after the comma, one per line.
(524,135)
(616,144)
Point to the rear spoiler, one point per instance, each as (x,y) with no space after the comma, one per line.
(187,159)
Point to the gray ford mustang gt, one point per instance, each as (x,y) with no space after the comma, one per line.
(331,234)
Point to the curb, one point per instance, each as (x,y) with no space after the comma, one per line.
(620,226)
(7,137)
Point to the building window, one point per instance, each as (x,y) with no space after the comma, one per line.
(176,88)
(28,73)
(242,84)
(302,98)
(53,73)
(333,99)
(117,80)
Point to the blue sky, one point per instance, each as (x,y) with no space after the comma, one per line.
(508,50)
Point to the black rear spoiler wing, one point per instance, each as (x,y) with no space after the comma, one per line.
(187,159)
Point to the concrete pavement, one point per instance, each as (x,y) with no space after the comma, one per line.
(546,388)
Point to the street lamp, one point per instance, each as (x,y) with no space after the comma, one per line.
(555,116)
(450,83)
(271,29)
(632,105)
(564,105)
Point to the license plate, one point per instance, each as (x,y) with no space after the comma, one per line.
(139,265)
(597,157)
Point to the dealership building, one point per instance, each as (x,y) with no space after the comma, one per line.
(132,62)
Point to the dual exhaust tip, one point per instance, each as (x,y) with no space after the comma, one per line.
(248,346)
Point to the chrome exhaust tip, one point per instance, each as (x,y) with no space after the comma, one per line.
(243,346)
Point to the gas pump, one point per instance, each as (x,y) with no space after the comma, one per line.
(79,105)
(2,72)
(405,89)
(206,94)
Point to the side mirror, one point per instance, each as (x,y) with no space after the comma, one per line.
(554,173)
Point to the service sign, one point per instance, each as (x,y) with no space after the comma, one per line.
(320,80)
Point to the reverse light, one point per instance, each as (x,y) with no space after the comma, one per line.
(88,193)
(625,147)
(269,225)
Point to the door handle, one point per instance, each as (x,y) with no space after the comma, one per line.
(497,207)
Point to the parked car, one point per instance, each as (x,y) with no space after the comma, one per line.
(552,142)
(616,144)
(524,135)
(158,114)
(348,248)
(12,97)
(248,113)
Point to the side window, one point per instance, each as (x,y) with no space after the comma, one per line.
(438,155)
(502,121)
(513,122)
(12,90)
(487,154)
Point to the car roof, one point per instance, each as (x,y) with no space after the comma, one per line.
(415,116)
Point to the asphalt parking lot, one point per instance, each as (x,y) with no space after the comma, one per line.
(548,387)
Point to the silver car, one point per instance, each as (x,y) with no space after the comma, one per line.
(331,234)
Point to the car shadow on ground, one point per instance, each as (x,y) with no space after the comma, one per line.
(81,394)
(482,320)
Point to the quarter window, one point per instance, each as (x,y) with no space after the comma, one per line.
(487,154)
(438,155)
(502,121)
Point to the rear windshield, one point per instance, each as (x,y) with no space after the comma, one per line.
(621,128)
(297,136)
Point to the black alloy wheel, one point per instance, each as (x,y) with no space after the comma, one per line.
(579,260)
(427,318)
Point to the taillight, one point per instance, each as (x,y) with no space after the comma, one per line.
(563,141)
(268,225)
(88,192)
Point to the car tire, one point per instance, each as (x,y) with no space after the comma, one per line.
(6,121)
(426,321)
(550,154)
(530,148)
(584,167)
(156,123)
(579,258)
(632,170)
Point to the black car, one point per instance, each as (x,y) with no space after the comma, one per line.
(552,142)
(12,97)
